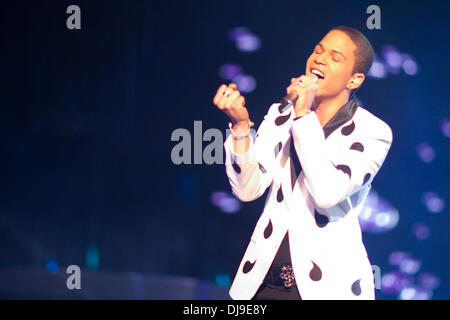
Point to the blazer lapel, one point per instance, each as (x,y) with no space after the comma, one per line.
(344,114)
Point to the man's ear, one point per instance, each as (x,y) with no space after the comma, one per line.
(355,81)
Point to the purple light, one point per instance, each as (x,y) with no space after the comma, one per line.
(377,70)
(244,39)
(245,83)
(395,281)
(388,282)
(229,70)
(428,280)
(230,205)
(425,152)
(402,281)
(407,293)
(393,58)
(372,198)
(433,202)
(445,127)
(421,231)
(392,62)
(377,215)
(235,33)
(409,66)
(415,293)
(386,220)
(410,266)
(423,294)
(396,257)
(248,43)
(226,202)
(217,197)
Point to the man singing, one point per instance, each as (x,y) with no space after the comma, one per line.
(319,158)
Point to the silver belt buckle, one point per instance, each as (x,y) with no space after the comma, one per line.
(287,274)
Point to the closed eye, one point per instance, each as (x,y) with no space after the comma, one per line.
(318,50)
(337,58)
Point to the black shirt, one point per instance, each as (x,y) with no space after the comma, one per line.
(283,255)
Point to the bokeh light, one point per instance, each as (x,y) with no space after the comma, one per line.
(409,66)
(245,83)
(229,70)
(392,57)
(392,61)
(378,215)
(377,70)
(415,293)
(445,127)
(425,152)
(428,280)
(51,265)
(223,280)
(421,231)
(433,202)
(396,257)
(226,202)
(406,281)
(410,265)
(244,39)
(394,281)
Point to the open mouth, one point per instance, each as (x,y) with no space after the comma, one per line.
(318,73)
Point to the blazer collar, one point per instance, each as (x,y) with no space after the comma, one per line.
(344,114)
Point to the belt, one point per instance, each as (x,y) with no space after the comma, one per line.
(281,276)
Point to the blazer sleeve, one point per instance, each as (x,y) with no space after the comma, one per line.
(330,183)
(251,173)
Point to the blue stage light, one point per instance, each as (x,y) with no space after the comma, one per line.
(92,258)
(51,265)
(223,280)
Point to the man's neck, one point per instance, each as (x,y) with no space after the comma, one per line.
(327,108)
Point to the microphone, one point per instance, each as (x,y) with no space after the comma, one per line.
(291,97)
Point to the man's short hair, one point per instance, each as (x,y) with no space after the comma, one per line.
(364,51)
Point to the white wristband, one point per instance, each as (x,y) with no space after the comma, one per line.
(239,133)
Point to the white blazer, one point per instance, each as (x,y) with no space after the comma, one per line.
(319,208)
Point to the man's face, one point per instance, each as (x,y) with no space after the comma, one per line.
(332,60)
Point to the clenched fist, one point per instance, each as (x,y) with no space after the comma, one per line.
(229,100)
(306,88)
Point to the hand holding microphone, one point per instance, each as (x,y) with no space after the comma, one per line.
(300,93)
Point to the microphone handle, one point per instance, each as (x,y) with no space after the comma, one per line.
(287,101)
(292,97)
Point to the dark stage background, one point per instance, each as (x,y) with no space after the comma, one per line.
(86,121)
